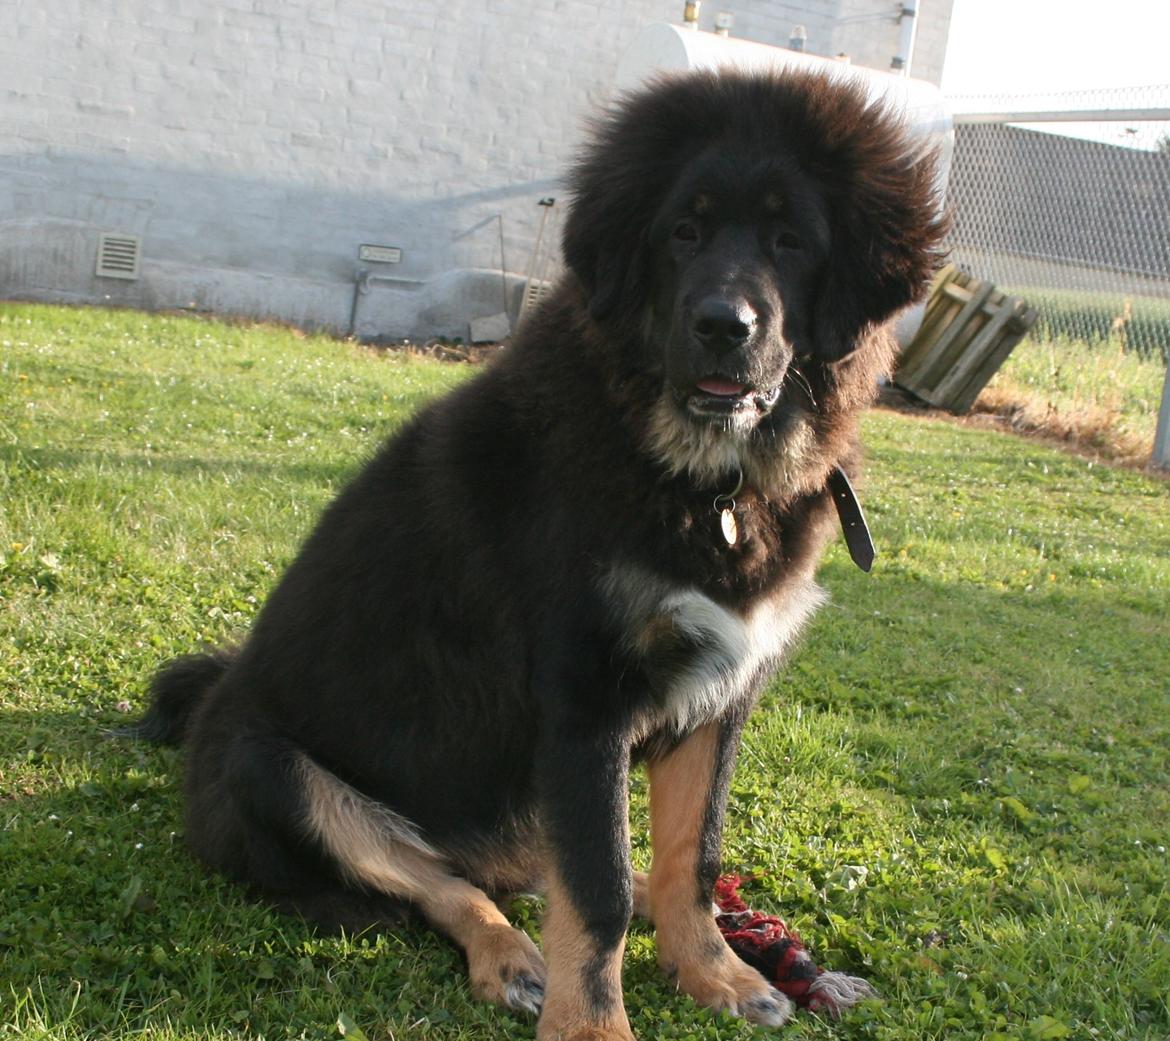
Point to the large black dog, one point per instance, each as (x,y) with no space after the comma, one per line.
(594,553)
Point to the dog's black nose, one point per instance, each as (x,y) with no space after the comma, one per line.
(721,324)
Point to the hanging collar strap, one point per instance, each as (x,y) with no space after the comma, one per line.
(857,536)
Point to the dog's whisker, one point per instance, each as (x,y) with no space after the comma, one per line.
(800,378)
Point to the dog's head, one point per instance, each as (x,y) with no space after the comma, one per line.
(736,248)
(735,232)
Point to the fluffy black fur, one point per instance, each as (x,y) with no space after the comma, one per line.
(480,633)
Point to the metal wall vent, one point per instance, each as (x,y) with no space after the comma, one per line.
(118,255)
(535,290)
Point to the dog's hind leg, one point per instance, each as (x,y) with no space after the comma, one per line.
(688,790)
(381,852)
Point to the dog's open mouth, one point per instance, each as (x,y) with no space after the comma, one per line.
(716,397)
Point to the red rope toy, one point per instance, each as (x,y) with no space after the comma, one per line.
(777,953)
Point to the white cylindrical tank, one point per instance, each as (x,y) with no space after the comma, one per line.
(663,47)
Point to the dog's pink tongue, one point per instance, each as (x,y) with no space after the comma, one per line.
(721,388)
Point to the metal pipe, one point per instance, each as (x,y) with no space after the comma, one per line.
(908,31)
(503,268)
(1161,453)
(546,205)
(361,285)
(1082,115)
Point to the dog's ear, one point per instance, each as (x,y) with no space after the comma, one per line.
(617,185)
(887,227)
(603,248)
(605,233)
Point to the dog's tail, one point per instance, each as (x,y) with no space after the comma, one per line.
(175,693)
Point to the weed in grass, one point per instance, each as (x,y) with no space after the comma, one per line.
(1101,399)
(959,788)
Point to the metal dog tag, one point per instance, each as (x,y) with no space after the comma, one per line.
(725,507)
(729,526)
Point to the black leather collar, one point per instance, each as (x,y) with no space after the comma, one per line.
(857,536)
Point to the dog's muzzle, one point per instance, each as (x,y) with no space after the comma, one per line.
(720,324)
(717,399)
(719,336)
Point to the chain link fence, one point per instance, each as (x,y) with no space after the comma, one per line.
(1064,200)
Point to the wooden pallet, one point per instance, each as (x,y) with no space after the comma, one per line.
(967,333)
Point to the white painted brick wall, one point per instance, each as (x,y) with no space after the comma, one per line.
(930,48)
(253,144)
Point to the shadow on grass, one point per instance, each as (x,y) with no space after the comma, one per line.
(108,925)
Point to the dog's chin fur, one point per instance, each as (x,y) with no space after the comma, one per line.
(778,460)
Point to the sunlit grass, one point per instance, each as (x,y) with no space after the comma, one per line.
(1099,398)
(959,788)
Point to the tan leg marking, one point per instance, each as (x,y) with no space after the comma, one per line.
(642,895)
(690,947)
(578,976)
(378,849)
(503,963)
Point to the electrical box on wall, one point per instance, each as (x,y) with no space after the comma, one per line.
(380,254)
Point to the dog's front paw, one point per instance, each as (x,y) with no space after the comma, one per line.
(572,1014)
(586,1032)
(578,1026)
(723,982)
(772,1009)
(505,967)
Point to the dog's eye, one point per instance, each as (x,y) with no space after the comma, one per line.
(787,240)
(686,231)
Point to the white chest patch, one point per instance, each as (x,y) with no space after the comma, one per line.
(705,656)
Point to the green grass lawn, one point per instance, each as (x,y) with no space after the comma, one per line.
(960,788)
